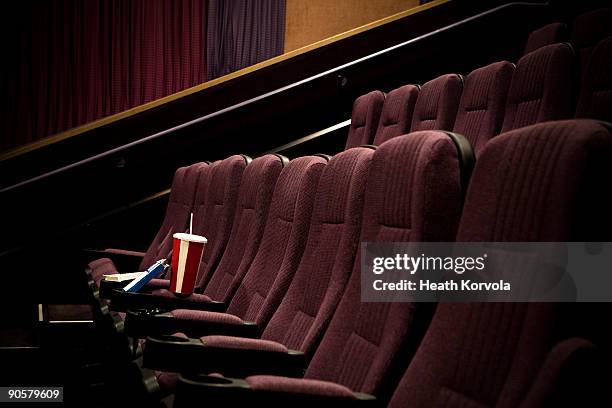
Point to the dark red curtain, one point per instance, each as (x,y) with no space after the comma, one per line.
(241,33)
(69,62)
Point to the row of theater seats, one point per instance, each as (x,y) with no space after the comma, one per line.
(495,98)
(279,284)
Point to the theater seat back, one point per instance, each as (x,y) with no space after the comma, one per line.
(214,210)
(541,87)
(481,108)
(396,113)
(364,119)
(588,30)
(254,200)
(333,240)
(436,106)
(549,34)
(283,241)
(413,194)
(596,91)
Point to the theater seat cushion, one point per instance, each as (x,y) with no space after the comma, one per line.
(243,343)
(298,386)
(194,297)
(203,316)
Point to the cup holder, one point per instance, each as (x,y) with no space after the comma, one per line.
(167,337)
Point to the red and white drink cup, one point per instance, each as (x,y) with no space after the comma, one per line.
(186,255)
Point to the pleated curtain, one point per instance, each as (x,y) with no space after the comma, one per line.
(241,33)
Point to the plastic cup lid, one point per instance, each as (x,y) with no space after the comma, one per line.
(190,237)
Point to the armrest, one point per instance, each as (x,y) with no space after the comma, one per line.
(123,301)
(124,252)
(571,374)
(233,356)
(122,258)
(193,323)
(265,390)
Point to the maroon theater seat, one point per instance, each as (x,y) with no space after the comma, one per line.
(437,103)
(541,87)
(596,92)
(180,204)
(549,34)
(481,108)
(588,30)
(364,119)
(413,193)
(495,354)
(396,113)
(318,284)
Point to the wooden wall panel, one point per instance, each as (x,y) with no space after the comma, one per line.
(309,21)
